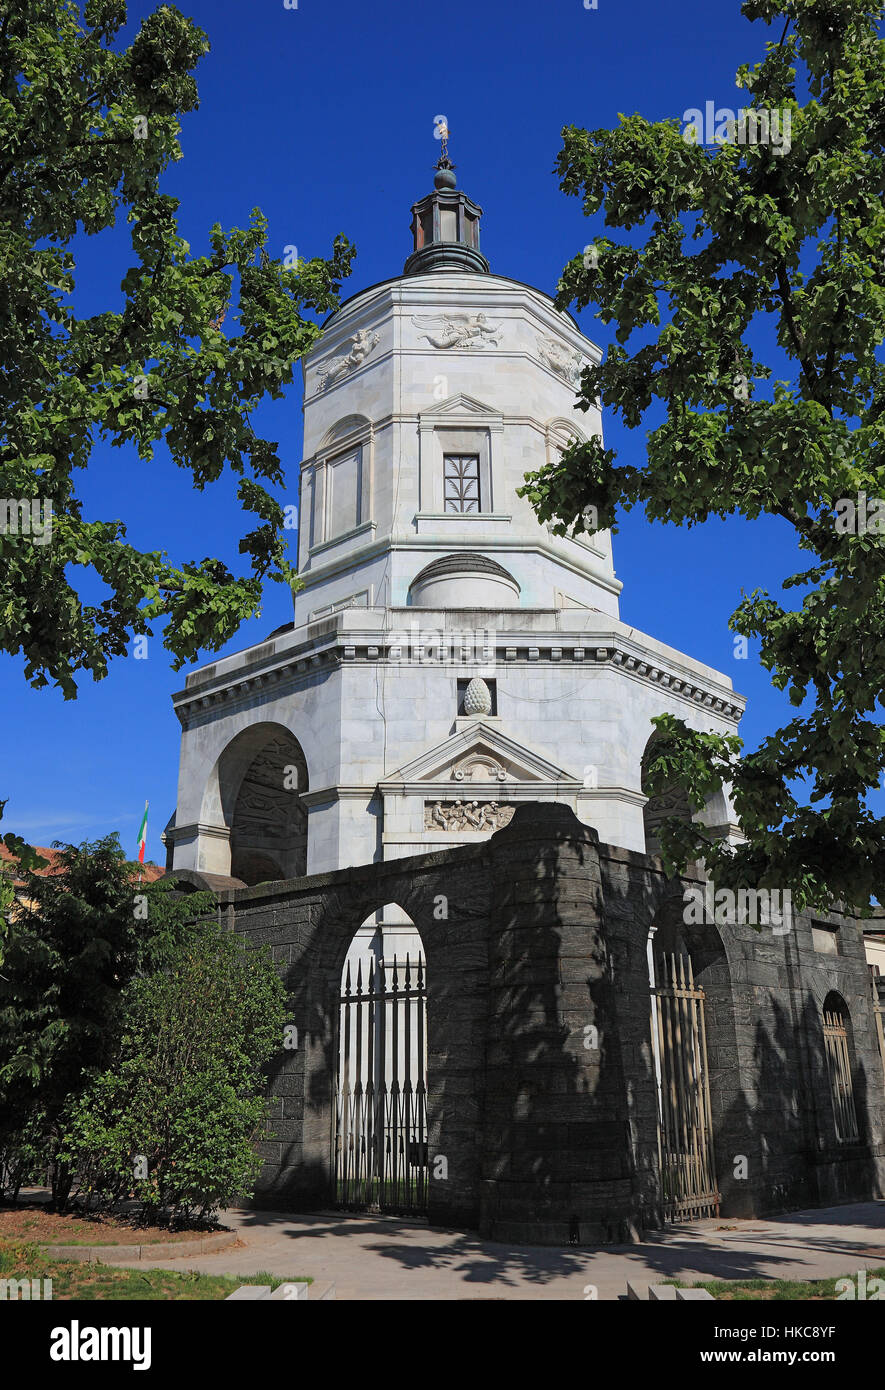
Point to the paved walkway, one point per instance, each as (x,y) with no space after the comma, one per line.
(382,1257)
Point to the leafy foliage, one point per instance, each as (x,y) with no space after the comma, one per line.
(792,238)
(185,1091)
(86,130)
(81,935)
(25,857)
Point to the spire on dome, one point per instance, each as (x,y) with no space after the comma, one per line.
(445,225)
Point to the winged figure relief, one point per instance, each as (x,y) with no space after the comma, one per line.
(567,364)
(362,343)
(458,330)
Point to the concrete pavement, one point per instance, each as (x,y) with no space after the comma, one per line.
(385,1257)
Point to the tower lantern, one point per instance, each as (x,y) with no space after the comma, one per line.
(445,227)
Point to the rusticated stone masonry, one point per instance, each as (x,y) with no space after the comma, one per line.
(541,1078)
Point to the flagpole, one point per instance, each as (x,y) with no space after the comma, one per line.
(142,841)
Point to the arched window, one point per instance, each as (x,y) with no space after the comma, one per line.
(380,1116)
(837,1043)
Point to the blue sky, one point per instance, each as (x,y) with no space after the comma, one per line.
(323,117)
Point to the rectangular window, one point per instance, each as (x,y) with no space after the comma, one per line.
(825,939)
(343,504)
(461,482)
(448,224)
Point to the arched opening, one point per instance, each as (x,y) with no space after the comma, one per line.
(256,791)
(715,815)
(839,1047)
(380,1112)
(672,801)
(689,1189)
(268,833)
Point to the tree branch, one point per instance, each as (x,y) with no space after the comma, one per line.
(808,368)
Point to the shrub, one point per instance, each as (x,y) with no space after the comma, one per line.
(174,1121)
(81,935)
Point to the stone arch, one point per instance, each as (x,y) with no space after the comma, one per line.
(706,946)
(842,1070)
(256,790)
(319,936)
(380,1121)
(343,429)
(559,434)
(676,930)
(396,900)
(386,932)
(674,801)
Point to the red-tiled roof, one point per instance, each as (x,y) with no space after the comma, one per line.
(149,872)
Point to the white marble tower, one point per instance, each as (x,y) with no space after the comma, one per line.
(449,655)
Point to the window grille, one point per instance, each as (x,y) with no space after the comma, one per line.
(839,1068)
(461,482)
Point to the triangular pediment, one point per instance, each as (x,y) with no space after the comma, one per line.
(479,754)
(462,405)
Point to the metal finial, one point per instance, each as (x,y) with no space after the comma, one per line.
(445,169)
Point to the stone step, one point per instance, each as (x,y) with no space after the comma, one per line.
(284,1293)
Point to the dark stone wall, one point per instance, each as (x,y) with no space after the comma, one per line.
(541,1080)
(308,924)
(570,1149)
(774,1096)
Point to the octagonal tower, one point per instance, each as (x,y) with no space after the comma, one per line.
(450,656)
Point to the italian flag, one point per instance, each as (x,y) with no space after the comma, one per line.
(142,835)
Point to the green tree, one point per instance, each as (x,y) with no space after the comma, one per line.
(789,236)
(86,130)
(174,1121)
(25,857)
(82,933)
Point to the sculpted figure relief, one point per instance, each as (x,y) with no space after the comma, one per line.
(566,364)
(455,816)
(362,344)
(458,330)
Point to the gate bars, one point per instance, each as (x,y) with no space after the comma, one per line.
(839,1068)
(380,1112)
(688,1171)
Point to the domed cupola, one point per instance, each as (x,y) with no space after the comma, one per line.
(445,227)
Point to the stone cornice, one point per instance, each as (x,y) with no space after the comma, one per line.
(176,833)
(281,669)
(352,792)
(389,543)
(483,791)
(462,288)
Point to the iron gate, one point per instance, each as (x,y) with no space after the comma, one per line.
(380,1112)
(839,1068)
(688,1170)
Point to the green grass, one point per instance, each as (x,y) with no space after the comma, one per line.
(160,1245)
(76,1280)
(773,1290)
